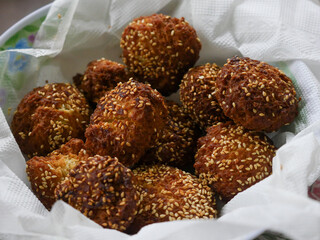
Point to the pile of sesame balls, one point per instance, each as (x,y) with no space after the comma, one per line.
(114,148)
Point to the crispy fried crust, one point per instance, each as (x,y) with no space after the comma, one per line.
(126,122)
(45,173)
(256,95)
(168,194)
(101,76)
(230,158)
(103,190)
(176,145)
(48,117)
(198,95)
(160,49)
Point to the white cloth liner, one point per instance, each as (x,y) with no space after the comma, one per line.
(284,33)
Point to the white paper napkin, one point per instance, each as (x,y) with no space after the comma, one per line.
(284,33)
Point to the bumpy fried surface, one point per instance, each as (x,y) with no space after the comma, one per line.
(103,190)
(176,145)
(100,76)
(256,95)
(168,194)
(198,95)
(45,173)
(160,49)
(230,158)
(126,122)
(48,117)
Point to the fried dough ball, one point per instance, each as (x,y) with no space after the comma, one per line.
(102,189)
(168,194)
(177,143)
(159,49)
(198,95)
(126,122)
(230,158)
(256,95)
(48,117)
(45,173)
(101,76)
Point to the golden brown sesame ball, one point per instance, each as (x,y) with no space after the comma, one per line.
(167,194)
(198,95)
(230,158)
(177,143)
(45,173)
(48,117)
(256,95)
(102,189)
(100,76)
(126,122)
(159,49)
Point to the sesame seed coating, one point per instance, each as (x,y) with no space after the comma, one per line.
(230,158)
(198,95)
(256,95)
(177,144)
(126,122)
(100,76)
(45,173)
(159,49)
(49,116)
(102,189)
(167,194)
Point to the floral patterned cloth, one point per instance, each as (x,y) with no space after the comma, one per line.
(24,38)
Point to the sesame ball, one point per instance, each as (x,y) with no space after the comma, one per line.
(168,194)
(159,49)
(176,145)
(45,173)
(48,117)
(256,95)
(100,76)
(230,158)
(126,122)
(102,189)
(198,95)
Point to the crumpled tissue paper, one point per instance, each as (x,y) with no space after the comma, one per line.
(283,33)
